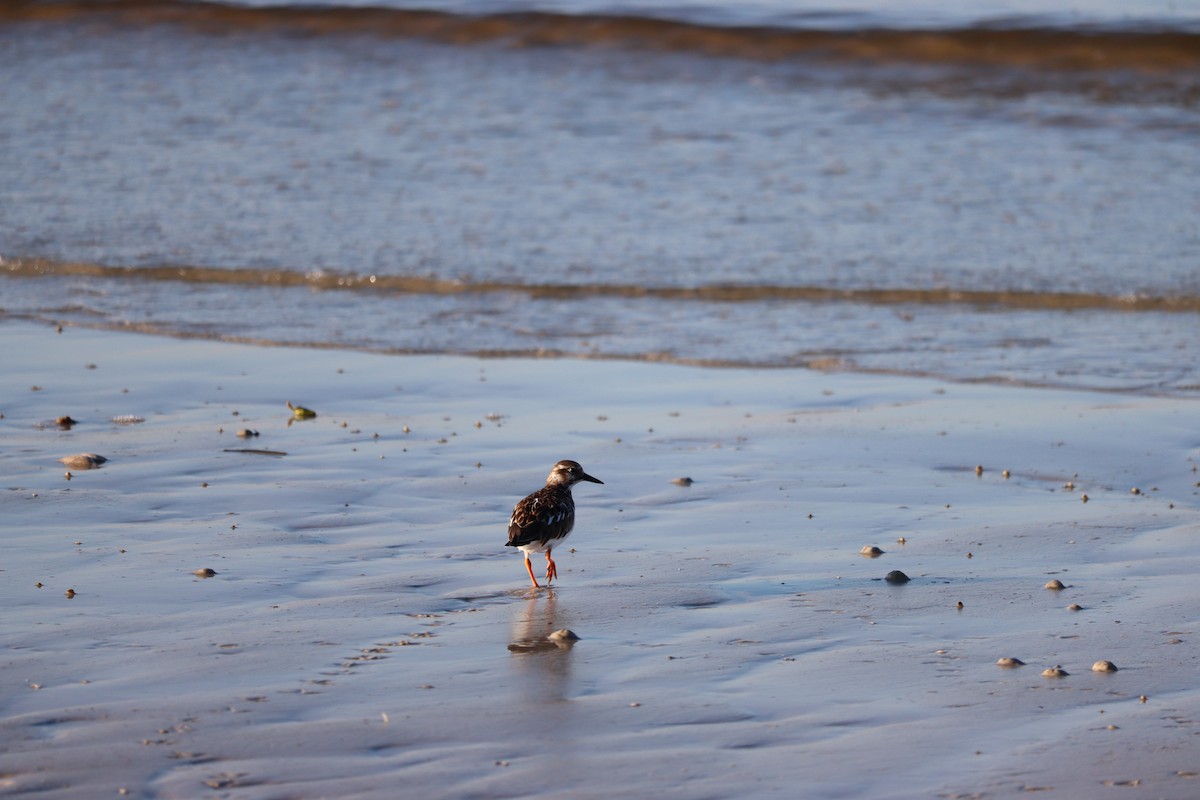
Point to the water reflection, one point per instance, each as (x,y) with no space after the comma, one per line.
(541,648)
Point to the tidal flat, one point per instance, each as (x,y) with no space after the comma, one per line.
(324,606)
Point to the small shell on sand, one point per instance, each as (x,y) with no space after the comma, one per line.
(65,422)
(1055,672)
(205,572)
(1104,666)
(897,577)
(563,639)
(1074,607)
(682,481)
(1009,661)
(1006,474)
(300,412)
(871,551)
(1055,585)
(246,433)
(83,461)
(70,593)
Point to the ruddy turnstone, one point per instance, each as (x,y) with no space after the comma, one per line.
(544,519)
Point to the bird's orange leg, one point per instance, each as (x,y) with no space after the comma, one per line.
(529,566)
(551,568)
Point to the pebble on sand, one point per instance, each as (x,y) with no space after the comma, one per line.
(1074,607)
(682,481)
(871,551)
(1009,661)
(1055,585)
(563,635)
(205,572)
(83,461)
(897,577)
(1055,672)
(1104,666)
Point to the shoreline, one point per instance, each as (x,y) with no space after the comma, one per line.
(365,628)
(829,361)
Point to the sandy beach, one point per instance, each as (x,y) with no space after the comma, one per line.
(367,634)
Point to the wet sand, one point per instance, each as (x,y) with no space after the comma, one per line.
(367,634)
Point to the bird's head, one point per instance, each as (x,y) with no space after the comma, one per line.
(568,473)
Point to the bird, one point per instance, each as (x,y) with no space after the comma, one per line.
(544,519)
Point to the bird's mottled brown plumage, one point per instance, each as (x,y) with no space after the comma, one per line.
(545,518)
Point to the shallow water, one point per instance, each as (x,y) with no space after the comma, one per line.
(554,185)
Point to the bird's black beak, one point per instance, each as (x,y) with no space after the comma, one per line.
(583,476)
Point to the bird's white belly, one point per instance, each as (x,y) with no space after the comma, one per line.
(539,547)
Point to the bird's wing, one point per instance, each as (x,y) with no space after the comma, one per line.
(539,519)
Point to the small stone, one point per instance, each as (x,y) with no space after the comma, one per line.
(1074,607)
(1104,666)
(1006,474)
(896,577)
(1009,662)
(871,551)
(1055,672)
(70,593)
(979,469)
(205,572)
(1083,497)
(563,637)
(685,481)
(1055,585)
(246,433)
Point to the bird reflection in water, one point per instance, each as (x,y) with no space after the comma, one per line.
(543,649)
